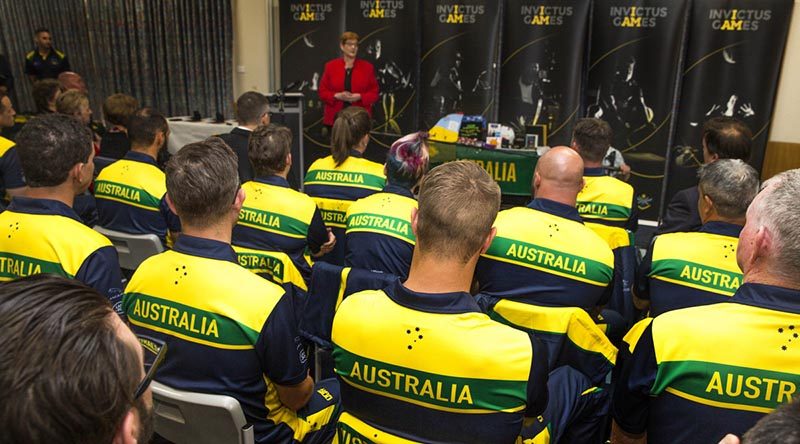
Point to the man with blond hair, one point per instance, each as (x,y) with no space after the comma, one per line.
(418,359)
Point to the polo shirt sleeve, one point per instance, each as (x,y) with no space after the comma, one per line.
(279,347)
(11,170)
(101,271)
(537,381)
(630,406)
(65,64)
(29,69)
(317,232)
(172,219)
(642,279)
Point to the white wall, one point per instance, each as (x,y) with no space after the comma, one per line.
(786,118)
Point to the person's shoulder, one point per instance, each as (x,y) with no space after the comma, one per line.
(30,55)
(685,196)
(5,145)
(333,63)
(361,63)
(59,54)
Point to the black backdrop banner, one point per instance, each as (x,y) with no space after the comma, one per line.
(635,60)
(460,51)
(544,48)
(309,38)
(732,65)
(389,42)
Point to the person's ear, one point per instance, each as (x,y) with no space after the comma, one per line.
(128,429)
(239,201)
(160,137)
(170,204)
(289,160)
(265,119)
(414,219)
(537,181)
(488,242)
(706,207)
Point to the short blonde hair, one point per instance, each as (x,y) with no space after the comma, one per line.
(348,35)
(70,102)
(458,203)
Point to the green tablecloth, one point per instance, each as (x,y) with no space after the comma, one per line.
(512,169)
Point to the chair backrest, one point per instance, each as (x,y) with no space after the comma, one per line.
(101,162)
(569,334)
(199,418)
(133,249)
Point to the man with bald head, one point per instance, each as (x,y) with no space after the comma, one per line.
(71,80)
(543,254)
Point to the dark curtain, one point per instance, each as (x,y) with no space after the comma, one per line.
(174,55)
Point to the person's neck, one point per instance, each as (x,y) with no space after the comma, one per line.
(735,221)
(220,231)
(565,197)
(765,275)
(349,61)
(360,148)
(588,164)
(44,52)
(151,151)
(63,193)
(430,273)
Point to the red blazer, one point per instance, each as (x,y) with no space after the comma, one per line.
(362,81)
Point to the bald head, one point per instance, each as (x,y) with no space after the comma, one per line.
(559,175)
(71,80)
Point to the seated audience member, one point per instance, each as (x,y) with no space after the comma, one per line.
(252,110)
(131,192)
(72,81)
(698,268)
(379,235)
(11,181)
(698,373)
(782,426)
(543,254)
(445,371)
(723,138)
(43,234)
(71,370)
(242,340)
(45,94)
(76,104)
(345,176)
(117,110)
(606,204)
(276,217)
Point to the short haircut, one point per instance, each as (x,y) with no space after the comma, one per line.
(67,376)
(41,30)
(118,109)
(777,210)
(250,107)
(782,426)
(350,126)
(70,102)
(202,181)
(593,137)
(145,125)
(407,160)
(44,92)
(731,184)
(268,147)
(458,203)
(728,138)
(49,146)
(348,35)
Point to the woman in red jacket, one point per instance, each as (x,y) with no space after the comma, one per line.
(347,81)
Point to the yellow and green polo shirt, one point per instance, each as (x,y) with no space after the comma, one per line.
(608,206)
(379,235)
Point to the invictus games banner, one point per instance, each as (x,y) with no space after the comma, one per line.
(731,69)
(542,62)
(390,41)
(309,38)
(460,40)
(635,57)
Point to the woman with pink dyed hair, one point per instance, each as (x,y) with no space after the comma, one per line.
(379,235)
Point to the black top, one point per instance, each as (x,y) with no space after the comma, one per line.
(47,67)
(348,82)
(115,144)
(238,140)
(682,213)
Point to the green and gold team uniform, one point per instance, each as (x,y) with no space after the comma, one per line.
(379,235)
(229,332)
(544,255)
(607,205)
(432,368)
(699,373)
(689,269)
(335,188)
(275,217)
